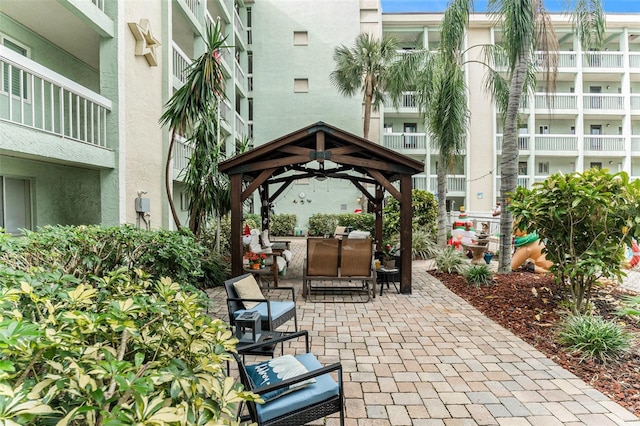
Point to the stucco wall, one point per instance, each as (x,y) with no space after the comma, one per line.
(141,140)
(62,195)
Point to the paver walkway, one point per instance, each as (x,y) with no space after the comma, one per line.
(430,358)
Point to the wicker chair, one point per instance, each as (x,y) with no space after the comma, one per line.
(316,401)
(273,313)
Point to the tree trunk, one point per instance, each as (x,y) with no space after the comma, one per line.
(368,101)
(509,161)
(442,204)
(167,180)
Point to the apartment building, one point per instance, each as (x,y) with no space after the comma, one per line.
(84,83)
(592,119)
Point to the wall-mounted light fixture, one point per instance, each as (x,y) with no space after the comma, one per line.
(608,87)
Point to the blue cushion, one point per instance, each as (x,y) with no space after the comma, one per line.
(324,388)
(277,309)
(275,371)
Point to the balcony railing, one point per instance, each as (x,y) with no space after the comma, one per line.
(603,144)
(635,103)
(99,4)
(407,103)
(556,101)
(565,59)
(181,63)
(523,181)
(403,141)
(523,142)
(634,60)
(35,96)
(239,27)
(635,145)
(454,183)
(557,143)
(241,130)
(182,154)
(602,59)
(193,7)
(603,102)
(225,111)
(240,76)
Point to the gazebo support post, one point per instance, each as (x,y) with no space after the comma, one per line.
(377,211)
(265,211)
(406,244)
(236,224)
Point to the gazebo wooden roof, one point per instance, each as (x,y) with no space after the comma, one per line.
(322,151)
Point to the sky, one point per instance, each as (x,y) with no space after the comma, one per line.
(389,6)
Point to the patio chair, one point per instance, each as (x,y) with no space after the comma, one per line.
(302,392)
(244,294)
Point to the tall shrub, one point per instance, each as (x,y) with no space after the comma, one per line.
(584,219)
(424,213)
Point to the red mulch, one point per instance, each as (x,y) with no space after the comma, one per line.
(530,305)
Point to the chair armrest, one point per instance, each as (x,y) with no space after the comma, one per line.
(301,378)
(283,338)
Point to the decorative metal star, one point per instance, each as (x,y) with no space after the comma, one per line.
(146,43)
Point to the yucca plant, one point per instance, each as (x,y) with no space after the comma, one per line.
(450,261)
(478,275)
(595,338)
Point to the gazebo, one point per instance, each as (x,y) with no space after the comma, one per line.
(322,151)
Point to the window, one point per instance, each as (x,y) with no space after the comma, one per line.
(301,85)
(543,168)
(522,168)
(544,130)
(300,38)
(184,201)
(11,76)
(595,165)
(388,128)
(15,204)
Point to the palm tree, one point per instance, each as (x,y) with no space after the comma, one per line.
(189,107)
(526,29)
(364,67)
(437,78)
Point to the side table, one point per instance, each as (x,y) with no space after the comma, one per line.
(386,276)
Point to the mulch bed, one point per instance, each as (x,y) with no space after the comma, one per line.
(530,305)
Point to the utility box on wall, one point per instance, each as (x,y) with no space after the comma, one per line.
(143,205)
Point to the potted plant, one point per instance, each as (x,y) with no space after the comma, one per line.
(389,256)
(256,260)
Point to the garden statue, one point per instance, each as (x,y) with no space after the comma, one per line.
(529,249)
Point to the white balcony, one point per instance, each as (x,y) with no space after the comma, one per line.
(635,104)
(405,141)
(603,60)
(603,144)
(635,145)
(523,142)
(241,129)
(603,103)
(408,104)
(193,7)
(456,184)
(524,181)
(239,28)
(565,59)
(240,78)
(181,64)
(34,96)
(557,143)
(182,153)
(556,101)
(634,60)
(99,4)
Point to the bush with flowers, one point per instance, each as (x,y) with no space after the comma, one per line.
(256,260)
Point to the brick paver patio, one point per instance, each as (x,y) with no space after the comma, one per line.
(430,358)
